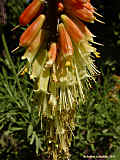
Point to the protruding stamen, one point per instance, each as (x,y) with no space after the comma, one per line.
(15,27)
(97,54)
(97,43)
(98,14)
(15,49)
(99,21)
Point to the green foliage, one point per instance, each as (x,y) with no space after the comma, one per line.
(19,122)
(98,123)
(19,129)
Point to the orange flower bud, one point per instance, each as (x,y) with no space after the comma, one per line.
(84,29)
(30,12)
(81,9)
(30,33)
(73,3)
(80,1)
(69,4)
(51,54)
(34,46)
(65,41)
(60,7)
(72,29)
(83,13)
(36,43)
(89,6)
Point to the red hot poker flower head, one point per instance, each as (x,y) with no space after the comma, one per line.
(30,33)
(30,12)
(72,29)
(65,41)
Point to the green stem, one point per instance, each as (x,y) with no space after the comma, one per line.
(14,71)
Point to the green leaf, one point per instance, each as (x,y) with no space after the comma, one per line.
(15,129)
(1,126)
(37,144)
(29,130)
(33,138)
(93,147)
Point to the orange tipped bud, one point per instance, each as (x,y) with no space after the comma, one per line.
(30,12)
(81,1)
(65,41)
(89,6)
(30,33)
(36,43)
(69,4)
(60,7)
(73,3)
(84,29)
(72,29)
(51,54)
(34,46)
(81,9)
(83,14)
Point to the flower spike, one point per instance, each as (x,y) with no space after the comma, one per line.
(60,60)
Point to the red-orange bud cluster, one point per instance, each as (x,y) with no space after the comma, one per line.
(81,9)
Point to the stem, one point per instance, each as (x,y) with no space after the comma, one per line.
(52,19)
(14,71)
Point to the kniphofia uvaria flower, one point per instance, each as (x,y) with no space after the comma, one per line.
(60,61)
